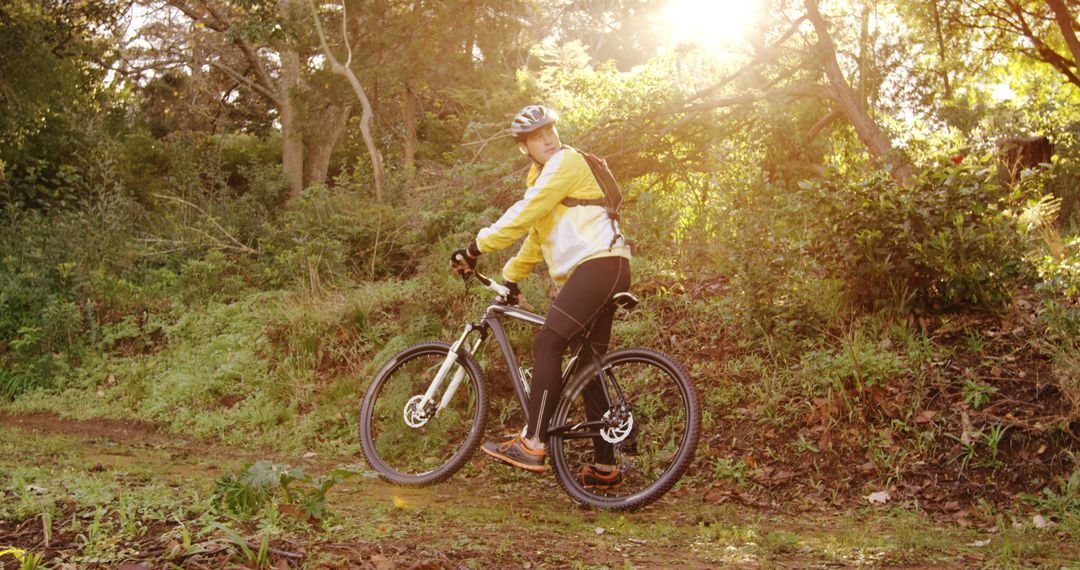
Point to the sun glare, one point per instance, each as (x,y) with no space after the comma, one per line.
(718,26)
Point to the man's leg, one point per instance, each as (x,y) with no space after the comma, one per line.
(580,300)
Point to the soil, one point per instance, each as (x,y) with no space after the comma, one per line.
(417,537)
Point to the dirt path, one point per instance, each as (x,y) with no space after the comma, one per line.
(488,516)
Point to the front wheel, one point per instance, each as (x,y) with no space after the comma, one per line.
(642,417)
(408,443)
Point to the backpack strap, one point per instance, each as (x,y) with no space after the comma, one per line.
(572,202)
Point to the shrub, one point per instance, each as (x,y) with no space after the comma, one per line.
(948,238)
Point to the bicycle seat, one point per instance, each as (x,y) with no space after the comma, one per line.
(625,300)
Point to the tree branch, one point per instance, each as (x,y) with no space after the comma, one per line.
(1067,26)
(866,128)
(238,246)
(821,124)
(365,103)
(1043,52)
(246,81)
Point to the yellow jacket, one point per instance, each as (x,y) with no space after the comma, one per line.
(561,236)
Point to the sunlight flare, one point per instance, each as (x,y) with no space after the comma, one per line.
(718,26)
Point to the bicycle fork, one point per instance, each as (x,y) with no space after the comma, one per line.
(459,375)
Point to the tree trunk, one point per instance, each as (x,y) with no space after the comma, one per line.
(944,71)
(320,137)
(365,118)
(866,128)
(292,142)
(409,112)
(1065,22)
(864,51)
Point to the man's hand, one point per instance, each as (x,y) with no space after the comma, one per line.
(515,293)
(463,261)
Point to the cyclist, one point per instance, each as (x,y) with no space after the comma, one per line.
(565,225)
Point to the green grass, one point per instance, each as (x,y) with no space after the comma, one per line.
(486,513)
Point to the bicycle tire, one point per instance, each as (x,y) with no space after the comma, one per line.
(651,379)
(386,438)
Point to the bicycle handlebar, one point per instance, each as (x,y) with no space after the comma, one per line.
(489,283)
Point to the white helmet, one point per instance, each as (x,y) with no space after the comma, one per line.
(530,119)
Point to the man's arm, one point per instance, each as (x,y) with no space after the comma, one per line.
(521,265)
(558,177)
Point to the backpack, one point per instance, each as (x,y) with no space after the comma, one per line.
(612,199)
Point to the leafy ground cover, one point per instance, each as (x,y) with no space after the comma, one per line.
(100,493)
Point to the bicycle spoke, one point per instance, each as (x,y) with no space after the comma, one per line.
(402,439)
(662,430)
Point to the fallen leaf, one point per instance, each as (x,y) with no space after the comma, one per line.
(980,543)
(924,416)
(878,498)
(968,431)
(381,562)
(1040,522)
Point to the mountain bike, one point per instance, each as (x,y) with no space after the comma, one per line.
(424,414)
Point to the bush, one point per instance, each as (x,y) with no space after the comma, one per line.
(337,234)
(949,238)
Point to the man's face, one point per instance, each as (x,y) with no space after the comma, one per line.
(542,143)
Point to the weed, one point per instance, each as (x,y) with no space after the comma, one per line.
(975,342)
(27,560)
(977,395)
(967,453)
(96,542)
(992,440)
(250,490)
(256,559)
(130,525)
(1063,505)
(779,542)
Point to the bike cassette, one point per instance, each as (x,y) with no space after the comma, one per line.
(415,414)
(620,431)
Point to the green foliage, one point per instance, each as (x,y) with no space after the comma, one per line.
(858,363)
(949,238)
(27,560)
(261,482)
(48,89)
(1064,504)
(336,234)
(977,394)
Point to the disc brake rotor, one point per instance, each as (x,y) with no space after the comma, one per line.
(619,432)
(415,414)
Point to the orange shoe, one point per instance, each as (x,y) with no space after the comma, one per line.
(590,476)
(514,452)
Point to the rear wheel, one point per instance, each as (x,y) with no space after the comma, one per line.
(410,444)
(651,440)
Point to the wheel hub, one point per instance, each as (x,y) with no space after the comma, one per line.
(416,414)
(620,422)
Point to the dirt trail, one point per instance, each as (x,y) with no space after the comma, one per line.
(488,516)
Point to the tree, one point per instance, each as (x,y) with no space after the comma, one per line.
(853,107)
(52,61)
(1043,31)
(347,72)
(256,44)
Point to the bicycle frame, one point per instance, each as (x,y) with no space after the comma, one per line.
(491,324)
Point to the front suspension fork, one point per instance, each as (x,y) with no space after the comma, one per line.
(459,375)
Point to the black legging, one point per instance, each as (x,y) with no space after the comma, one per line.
(580,302)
